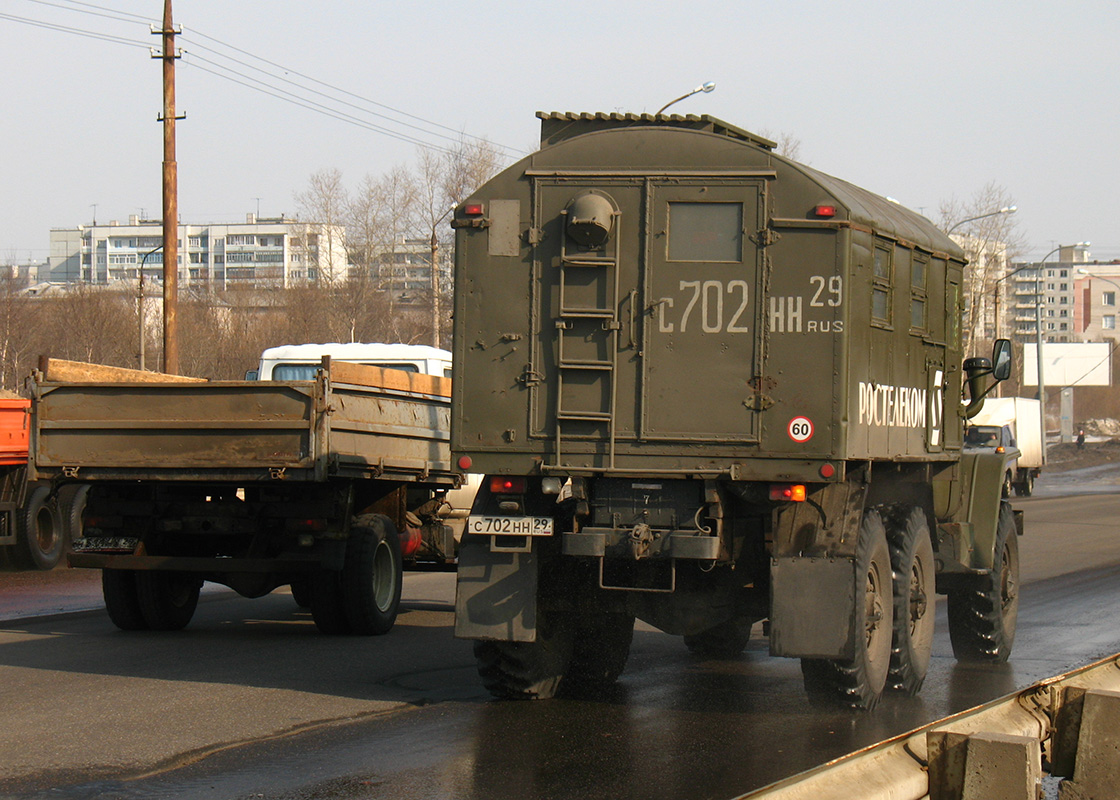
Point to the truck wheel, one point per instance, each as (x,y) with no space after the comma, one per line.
(40,537)
(372,576)
(167,599)
(727,640)
(982,620)
(328,608)
(1025,488)
(301,591)
(601,649)
(71,507)
(913,570)
(1005,490)
(527,670)
(121,601)
(859,683)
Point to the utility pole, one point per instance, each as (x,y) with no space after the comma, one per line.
(435,287)
(170,198)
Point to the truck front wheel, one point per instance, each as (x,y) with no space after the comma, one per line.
(914,586)
(41,537)
(372,576)
(859,682)
(982,619)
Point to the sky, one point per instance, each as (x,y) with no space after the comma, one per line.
(923,102)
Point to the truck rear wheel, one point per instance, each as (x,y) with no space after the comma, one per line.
(121,601)
(982,619)
(41,539)
(167,599)
(859,682)
(1025,487)
(601,649)
(372,576)
(528,670)
(914,586)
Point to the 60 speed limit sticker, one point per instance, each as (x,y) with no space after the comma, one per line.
(800,429)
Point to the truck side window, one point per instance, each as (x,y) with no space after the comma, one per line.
(881,286)
(919,267)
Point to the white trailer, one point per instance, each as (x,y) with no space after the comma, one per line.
(1022,416)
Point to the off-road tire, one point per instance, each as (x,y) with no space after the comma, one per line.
(372,576)
(601,649)
(118,586)
(859,682)
(726,640)
(167,599)
(982,619)
(40,535)
(914,589)
(528,670)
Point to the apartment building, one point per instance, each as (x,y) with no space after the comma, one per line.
(258,252)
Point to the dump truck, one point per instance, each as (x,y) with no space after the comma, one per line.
(1012,422)
(34,522)
(711,387)
(324,485)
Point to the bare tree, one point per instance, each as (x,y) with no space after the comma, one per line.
(991,243)
(323,206)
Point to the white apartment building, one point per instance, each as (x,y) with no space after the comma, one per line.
(1096,310)
(265,251)
(1046,291)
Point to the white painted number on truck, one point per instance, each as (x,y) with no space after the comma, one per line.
(705,305)
(787,314)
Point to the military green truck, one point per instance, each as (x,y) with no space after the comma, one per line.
(249,484)
(710,386)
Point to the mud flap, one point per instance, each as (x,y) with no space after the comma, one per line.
(812,605)
(495,593)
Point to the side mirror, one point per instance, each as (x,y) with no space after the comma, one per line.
(1001,359)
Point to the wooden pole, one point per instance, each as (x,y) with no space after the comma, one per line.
(170,202)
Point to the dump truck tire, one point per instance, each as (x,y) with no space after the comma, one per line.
(41,538)
(982,619)
(372,576)
(118,586)
(913,582)
(167,599)
(859,683)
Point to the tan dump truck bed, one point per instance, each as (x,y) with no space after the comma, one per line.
(92,422)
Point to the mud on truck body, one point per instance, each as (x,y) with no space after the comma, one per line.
(710,386)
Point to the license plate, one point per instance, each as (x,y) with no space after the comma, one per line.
(511,526)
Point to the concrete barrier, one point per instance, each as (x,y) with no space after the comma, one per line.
(994,751)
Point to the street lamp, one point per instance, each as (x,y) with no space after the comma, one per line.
(1004,210)
(704,87)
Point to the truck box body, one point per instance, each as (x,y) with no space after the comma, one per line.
(748,316)
(1021,414)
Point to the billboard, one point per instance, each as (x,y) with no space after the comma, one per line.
(1069,364)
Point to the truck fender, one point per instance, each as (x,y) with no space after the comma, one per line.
(495,592)
(981,479)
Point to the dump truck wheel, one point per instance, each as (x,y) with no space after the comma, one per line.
(71,507)
(328,608)
(167,599)
(982,619)
(859,683)
(41,538)
(527,670)
(121,600)
(601,649)
(372,576)
(727,640)
(913,570)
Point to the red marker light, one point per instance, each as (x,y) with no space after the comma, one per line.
(787,492)
(825,211)
(500,484)
(465,463)
(827,470)
(473,209)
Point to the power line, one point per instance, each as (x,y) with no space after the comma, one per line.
(51,26)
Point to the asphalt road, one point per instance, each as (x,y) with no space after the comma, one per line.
(251,702)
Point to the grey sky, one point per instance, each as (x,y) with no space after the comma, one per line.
(920,101)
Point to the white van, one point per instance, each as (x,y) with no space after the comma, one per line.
(298,362)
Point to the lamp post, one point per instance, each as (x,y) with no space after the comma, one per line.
(704,87)
(1004,210)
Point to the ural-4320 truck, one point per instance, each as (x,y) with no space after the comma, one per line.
(250,484)
(709,386)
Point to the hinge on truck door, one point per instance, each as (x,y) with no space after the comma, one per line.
(765,237)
